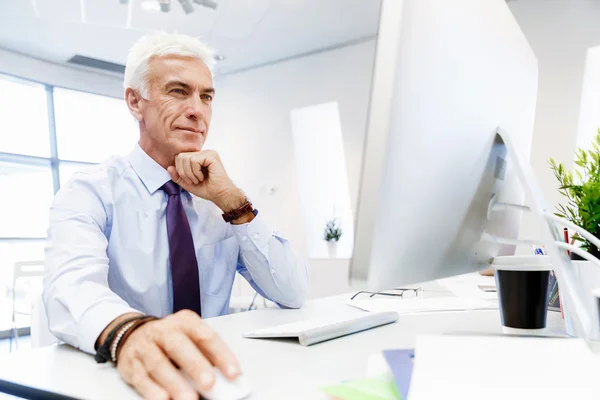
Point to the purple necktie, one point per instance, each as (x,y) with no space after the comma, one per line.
(184,265)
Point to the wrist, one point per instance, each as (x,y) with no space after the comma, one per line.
(116,322)
(230,200)
(106,350)
(244,219)
(119,342)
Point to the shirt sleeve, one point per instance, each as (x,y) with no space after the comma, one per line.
(78,300)
(269,264)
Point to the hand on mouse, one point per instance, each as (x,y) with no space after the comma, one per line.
(149,358)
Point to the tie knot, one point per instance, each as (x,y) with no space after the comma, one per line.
(171,188)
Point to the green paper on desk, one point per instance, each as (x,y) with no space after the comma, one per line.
(364,389)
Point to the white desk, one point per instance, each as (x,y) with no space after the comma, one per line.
(277,369)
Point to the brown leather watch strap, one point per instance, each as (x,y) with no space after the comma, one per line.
(235,214)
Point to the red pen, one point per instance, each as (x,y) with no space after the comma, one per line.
(566,233)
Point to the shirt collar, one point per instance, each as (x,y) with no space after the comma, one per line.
(152,175)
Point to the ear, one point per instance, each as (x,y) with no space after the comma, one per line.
(134,102)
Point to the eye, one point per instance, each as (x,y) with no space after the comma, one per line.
(178,91)
(206,97)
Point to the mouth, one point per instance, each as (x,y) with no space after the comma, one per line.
(192,131)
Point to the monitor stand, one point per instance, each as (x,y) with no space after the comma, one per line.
(571,292)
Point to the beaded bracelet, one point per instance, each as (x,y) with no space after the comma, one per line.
(123,334)
(103,352)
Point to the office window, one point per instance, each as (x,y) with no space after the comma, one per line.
(322,176)
(23,118)
(91,128)
(88,128)
(27,192)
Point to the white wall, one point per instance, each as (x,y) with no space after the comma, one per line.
(323,178)
(560,32)
(589,115)
(252,129)
(59,75)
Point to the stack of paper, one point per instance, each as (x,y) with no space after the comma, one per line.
(503,367)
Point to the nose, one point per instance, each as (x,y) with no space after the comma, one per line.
(194,108)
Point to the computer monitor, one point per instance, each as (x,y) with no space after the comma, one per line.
(447,74)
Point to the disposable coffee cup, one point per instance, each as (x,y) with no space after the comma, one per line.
(522,286)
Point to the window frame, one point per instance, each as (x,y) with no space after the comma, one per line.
(54,159)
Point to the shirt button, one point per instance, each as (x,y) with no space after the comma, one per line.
(272,270)
(255,235)
(244,238)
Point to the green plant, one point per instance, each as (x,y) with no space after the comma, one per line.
(581,187)
(333,231)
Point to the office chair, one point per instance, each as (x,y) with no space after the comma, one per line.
(22,269)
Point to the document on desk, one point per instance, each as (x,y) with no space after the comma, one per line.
(472,286)
(503,367)
(410,306)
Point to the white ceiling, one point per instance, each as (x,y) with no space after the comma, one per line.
(247,32)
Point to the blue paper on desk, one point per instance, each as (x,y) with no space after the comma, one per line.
(400,363)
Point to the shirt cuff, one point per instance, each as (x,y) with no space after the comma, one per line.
(255,235)
(96,319)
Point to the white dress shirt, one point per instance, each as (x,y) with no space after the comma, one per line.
(107,252)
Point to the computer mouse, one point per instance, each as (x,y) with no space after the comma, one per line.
(239,389)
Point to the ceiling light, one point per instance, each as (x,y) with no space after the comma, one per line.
(207,3)
(150,5)
(187,6)
(123,1)
(165,5)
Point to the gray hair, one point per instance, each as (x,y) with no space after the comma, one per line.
(161,44)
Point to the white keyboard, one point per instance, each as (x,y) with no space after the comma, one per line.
(296,327)
(317,330)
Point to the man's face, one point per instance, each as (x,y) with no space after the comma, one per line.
(177,113)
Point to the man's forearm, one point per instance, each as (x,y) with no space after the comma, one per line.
(270,265)
(112,326)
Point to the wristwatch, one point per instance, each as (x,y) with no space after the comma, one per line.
(235,214)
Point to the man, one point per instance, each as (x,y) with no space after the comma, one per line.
(146,234)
